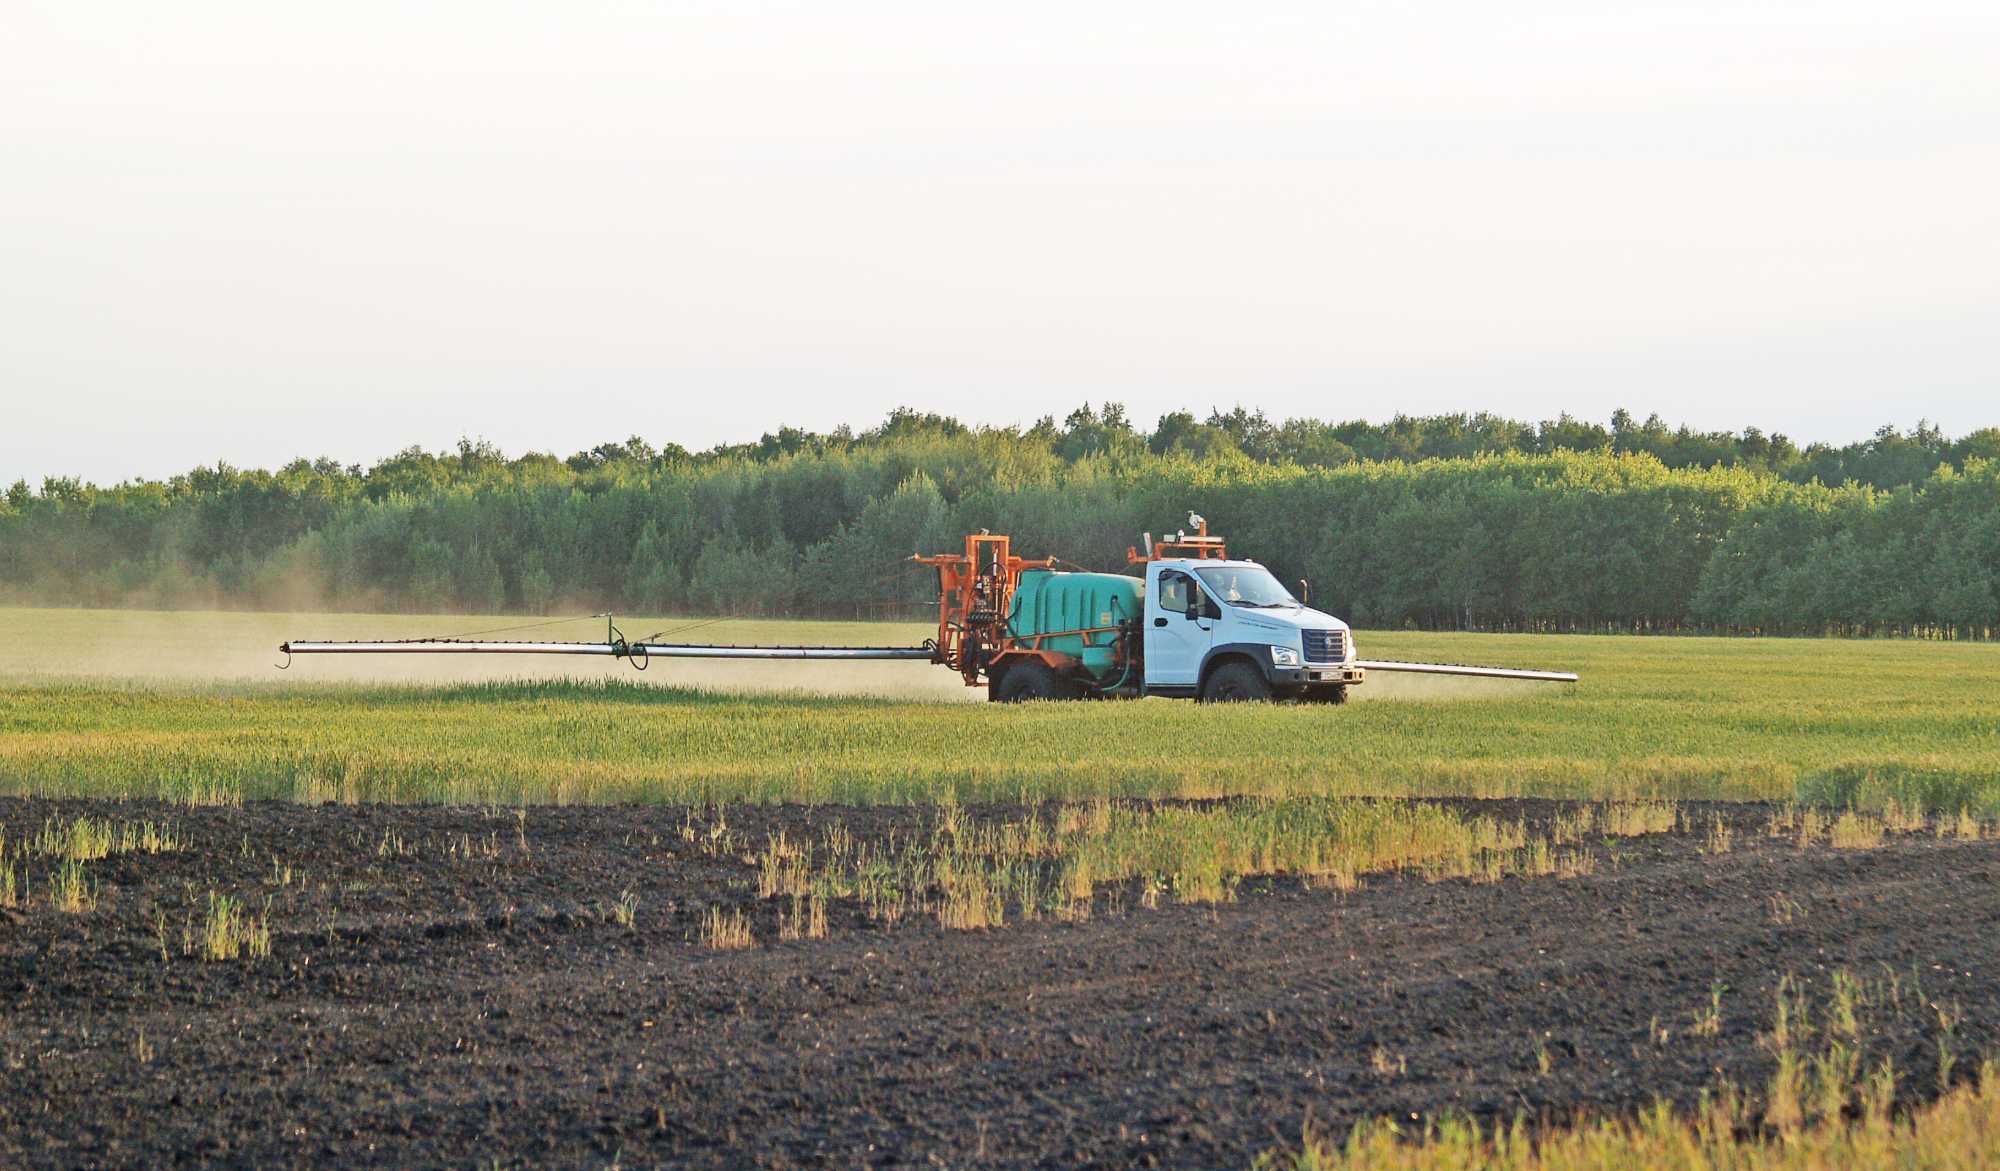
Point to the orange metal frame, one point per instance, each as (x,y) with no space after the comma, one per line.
(974,591)
(1200,547)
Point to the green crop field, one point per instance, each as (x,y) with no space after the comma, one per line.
(189,707)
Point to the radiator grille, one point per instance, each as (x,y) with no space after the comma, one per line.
(1326,646)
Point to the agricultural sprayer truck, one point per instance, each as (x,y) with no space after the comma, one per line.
(1198,624)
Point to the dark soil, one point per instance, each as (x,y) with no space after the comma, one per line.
(427,1009)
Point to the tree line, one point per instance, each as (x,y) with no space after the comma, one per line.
(1446,522)
(1889,458)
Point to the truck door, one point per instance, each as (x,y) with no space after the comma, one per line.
(1177,630)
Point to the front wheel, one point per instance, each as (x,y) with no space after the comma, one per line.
(1236,683)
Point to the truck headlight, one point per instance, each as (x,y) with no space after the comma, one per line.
(1284,656)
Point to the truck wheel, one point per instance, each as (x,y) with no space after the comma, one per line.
(1032,680)
(1236,683)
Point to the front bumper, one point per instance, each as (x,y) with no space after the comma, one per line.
(1310,675)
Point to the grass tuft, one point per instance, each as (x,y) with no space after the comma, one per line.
(71,889)
(1855,831)
(726,931)
(231,932)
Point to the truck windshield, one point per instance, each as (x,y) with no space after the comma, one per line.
(1250,585)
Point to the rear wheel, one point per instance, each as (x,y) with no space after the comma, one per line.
(1236,683)
(1031,680)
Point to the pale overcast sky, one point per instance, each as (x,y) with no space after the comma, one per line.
(254,231)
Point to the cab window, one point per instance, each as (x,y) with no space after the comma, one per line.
(1174,591)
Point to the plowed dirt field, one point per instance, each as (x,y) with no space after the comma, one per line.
(452,987)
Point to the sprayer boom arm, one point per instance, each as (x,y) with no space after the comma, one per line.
(1462,669)
(635,650)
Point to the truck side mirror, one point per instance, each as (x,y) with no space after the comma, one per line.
(1193,610)
(1305,591)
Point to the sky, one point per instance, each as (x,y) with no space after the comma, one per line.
(252,232)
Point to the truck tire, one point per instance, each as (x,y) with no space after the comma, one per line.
(1235,682)
(1032,680)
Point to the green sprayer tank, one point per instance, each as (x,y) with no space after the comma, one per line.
(1067,604)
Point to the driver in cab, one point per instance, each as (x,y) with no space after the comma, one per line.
(1179,594)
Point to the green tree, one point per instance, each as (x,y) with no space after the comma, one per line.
(481,589)
(649,577)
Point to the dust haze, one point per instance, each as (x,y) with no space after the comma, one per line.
(235,647)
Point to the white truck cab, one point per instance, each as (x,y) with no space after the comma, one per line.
(1222,629)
